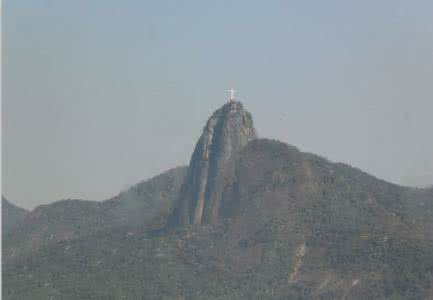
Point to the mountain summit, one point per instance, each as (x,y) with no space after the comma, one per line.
(227,131)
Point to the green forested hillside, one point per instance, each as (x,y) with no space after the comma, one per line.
(300,227)
(143,204)
(12,215)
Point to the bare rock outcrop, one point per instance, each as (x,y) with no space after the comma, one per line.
(203,196)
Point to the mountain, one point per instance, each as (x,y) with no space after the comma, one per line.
(212,164)
(12,215)
(146,204)
(419,209)
(273,223)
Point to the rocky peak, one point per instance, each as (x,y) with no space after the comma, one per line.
(226,132)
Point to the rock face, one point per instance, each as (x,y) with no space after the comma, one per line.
(204,198)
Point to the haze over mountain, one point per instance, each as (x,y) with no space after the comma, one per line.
(251,218)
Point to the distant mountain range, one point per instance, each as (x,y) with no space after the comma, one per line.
(249,218)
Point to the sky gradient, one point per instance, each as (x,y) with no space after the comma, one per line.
(99,95)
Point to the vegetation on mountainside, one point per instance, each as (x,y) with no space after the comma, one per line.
(12,215)
(144,204)
(304,228)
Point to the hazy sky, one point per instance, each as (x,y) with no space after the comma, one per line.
(98,95)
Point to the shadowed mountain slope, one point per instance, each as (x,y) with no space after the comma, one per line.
(12,215)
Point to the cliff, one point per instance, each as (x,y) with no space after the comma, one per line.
(212,166)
